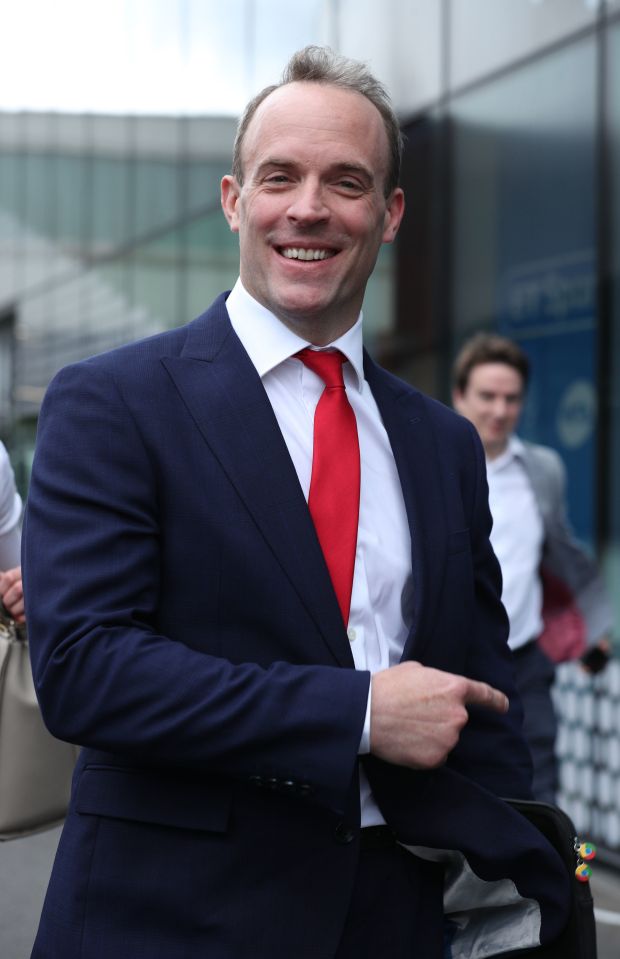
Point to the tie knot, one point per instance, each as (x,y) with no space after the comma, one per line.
(326,364)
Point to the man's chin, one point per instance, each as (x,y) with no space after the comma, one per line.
(315,320)
(303,306)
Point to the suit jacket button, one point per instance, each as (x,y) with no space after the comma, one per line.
(257,781)
(343,834)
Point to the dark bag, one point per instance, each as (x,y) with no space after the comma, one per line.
(578,941)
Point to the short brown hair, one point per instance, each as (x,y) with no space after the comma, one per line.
(321,65)
(488,348)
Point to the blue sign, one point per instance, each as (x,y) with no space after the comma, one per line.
(549,307)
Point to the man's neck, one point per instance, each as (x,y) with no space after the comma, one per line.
(318,331)
(493,451)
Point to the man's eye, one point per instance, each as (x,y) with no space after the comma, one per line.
(277,178)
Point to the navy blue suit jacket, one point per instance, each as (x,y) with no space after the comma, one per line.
(185,632)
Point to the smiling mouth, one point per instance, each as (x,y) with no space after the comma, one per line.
(303,253)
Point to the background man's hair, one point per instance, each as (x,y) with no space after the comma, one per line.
(321,65)
(488,348)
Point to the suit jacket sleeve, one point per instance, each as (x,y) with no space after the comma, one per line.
(96,579)
(491,750)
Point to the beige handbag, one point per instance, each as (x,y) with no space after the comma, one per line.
(35,768)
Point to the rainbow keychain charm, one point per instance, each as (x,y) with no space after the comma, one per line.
(586,851)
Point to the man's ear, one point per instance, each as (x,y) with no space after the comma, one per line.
(457,400)
(394,211)
(229,197)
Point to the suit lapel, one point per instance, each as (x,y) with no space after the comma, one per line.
(224,395)
(404,414)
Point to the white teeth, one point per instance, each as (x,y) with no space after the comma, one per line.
(299,253)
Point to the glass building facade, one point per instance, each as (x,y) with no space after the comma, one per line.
(110,229)
(514,173)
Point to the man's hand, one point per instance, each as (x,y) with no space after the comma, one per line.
(417,713)
(12,594)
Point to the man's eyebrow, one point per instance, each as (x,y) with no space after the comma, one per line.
(273,162)
(357,169)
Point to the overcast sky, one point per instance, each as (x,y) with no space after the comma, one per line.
(147,56)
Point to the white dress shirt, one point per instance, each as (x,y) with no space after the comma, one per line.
(10,514)
(381,601)
(517,538)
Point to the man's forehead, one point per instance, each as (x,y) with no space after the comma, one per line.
(317,119)
(496,375)
(306,105)
(311,90)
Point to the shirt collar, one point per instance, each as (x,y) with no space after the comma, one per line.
(514,451)
(268,342)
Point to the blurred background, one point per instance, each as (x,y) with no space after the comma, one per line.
(117,119)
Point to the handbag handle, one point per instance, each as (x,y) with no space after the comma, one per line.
(8,627)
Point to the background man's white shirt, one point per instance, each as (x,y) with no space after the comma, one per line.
(517,538)
(10,514)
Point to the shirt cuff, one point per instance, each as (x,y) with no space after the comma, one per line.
(364,746)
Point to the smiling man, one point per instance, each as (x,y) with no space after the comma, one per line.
(312,202)
(262,598)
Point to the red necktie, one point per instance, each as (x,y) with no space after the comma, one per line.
(334,497)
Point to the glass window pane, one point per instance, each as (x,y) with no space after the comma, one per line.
(486,35)
(524,244)
(274,45)
(211,261)
(10,194)
(404,48)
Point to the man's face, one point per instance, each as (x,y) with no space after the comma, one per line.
(311,213)
(492,400)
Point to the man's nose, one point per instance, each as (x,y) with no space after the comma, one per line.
(500,408)
(308,204)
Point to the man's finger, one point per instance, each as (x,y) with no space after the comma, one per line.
(10,576)
(481,694)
